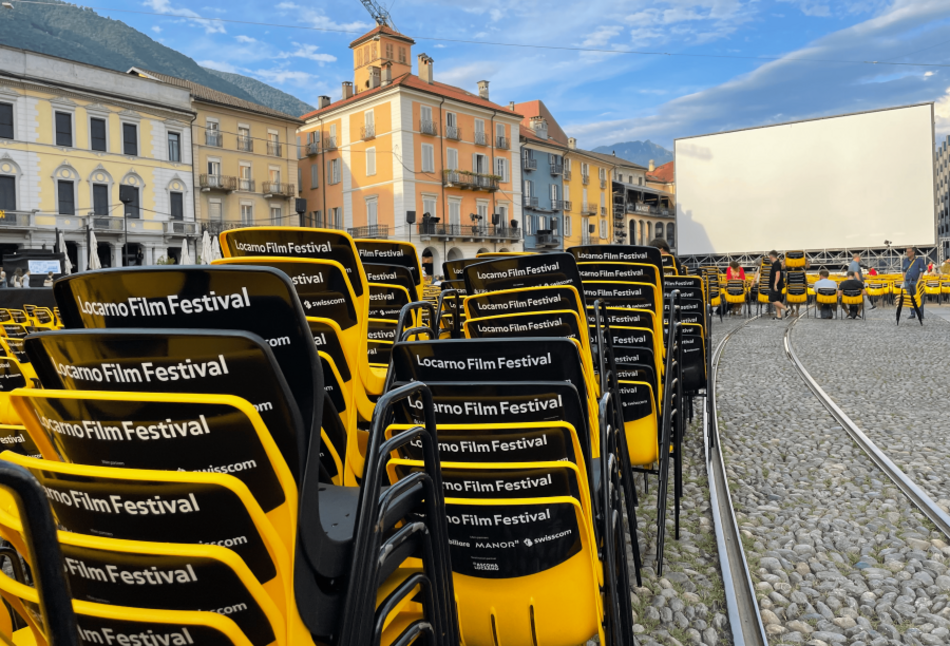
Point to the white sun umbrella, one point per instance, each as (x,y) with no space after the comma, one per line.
(215,249)
(68,265)
(206,252)
(186,255)
(94,252)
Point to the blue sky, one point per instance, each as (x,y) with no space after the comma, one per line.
(600,97)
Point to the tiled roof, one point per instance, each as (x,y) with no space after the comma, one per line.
(412,81)
(205,93)
(532,137)
(538,109)
(386,31)
(613,160)
(664,174)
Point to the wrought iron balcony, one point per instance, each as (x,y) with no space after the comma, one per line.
(214,138)
(313,148)
(585,179)
(589,208)
(181,228)
(278,189)
(650,209)
(530,202)
(502,142)
(470,181)
(217,182)
(368,132)
(428,127)
(108,223)
(547,239)
(529,163)
(247,185)
(215,227)
(557,205)
(329,143)
(557,169)
(603,210)
(566,205)
(603,183)
(453,132)
(481,138)
(379,231)
(439,230)
(245,144)
(274,149)
(567,174)
(585,238)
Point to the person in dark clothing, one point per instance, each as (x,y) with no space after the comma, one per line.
(852,282)
(776,284)
(664,248)
(912,269)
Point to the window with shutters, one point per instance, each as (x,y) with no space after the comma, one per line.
(659,230)
(174,146)
(67,197)
(7,192)
(567,226)
(567,193)
(359,58)
(402,55)
(428,158)
(389,51)
(276,214)
(132,208)
(100,199)
(314,176)
(97,135)
(130,139)
(6,121)
(429,203)
(455,212)
(501,168)
(602,173)
(64,129)
(452,158)
(215,212)
(554,198)
(527,188)
(247,214)
(333,172)
(603,229)
(371,211)
(480,164)
(370,161)
(177,201)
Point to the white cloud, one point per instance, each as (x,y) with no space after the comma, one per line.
(156,29)
(316,18)
(601,36)
(942,114)
(245,39)
(165,7)
(468,76)
(308,52)
(439,46)
(282,75)
(287,6)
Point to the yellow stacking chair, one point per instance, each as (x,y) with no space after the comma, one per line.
(826,296)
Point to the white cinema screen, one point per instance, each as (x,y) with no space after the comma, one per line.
(842,182)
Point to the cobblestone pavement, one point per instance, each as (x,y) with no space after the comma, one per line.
(837,555)
(890,380)
(687,605)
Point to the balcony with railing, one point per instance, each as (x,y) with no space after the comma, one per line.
(275,149)
(429,229)
(209,182)
(470,181)
(453,132)
(108,223)
(245,144)
(585,179)
(557,169)
(329,143)
(214,138)
(368,132)
(585,238)
(547,239)
(567,174)
(246,185)
(603,183)
(378,231)
(312,148)
(481,138)
(557,205)
(277,189)
(215,227)
(650,209)
(16,220)
(603,210)
(530,202)
(529,163)
(181,228)
(428,127)
(502,142)
(567,206)
(589,208)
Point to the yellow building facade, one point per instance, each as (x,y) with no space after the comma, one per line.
(70,136)
(245,154)
(587,198)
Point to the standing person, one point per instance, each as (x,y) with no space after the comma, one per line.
(912,269)
(776,283)
(854,267)
(3,279)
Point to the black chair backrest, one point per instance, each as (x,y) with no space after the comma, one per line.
(16,346)
(14,330)
(391,275)
(260,300)
(851,292)
(827,291)
(518,301)
(633,273)
(455,269)
(618,253)
(556,324)
(225,362)
(11,377)
(616,294)
(514,272)
(386,301)
(386,252)
(326,339)
(5,315)
(19,316)
(298,242)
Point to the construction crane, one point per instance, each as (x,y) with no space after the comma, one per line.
(379,14)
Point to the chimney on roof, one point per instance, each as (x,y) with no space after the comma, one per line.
(347,89)
(322,102)
(425,68)
(511,106)
(387,73)
(572,143)
(540,127)
(374,77)
(652,167)
(483,89)
(613,152)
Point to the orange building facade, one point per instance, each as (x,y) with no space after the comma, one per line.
(398,144)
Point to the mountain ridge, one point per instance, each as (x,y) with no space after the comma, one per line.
(638,152)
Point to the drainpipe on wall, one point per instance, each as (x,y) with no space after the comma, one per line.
(445,212)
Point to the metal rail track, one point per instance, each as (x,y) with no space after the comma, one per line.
(741,604)
(921,500)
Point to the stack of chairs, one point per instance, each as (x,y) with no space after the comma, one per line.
(907,299)
(736,293)
(534,457)
(945,288)
(190,403)
(878,288)
(931,288)
(762,294)
(795,260)
(796,288)
(711,283)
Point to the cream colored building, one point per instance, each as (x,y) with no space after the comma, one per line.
(245,159)
(70,135)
